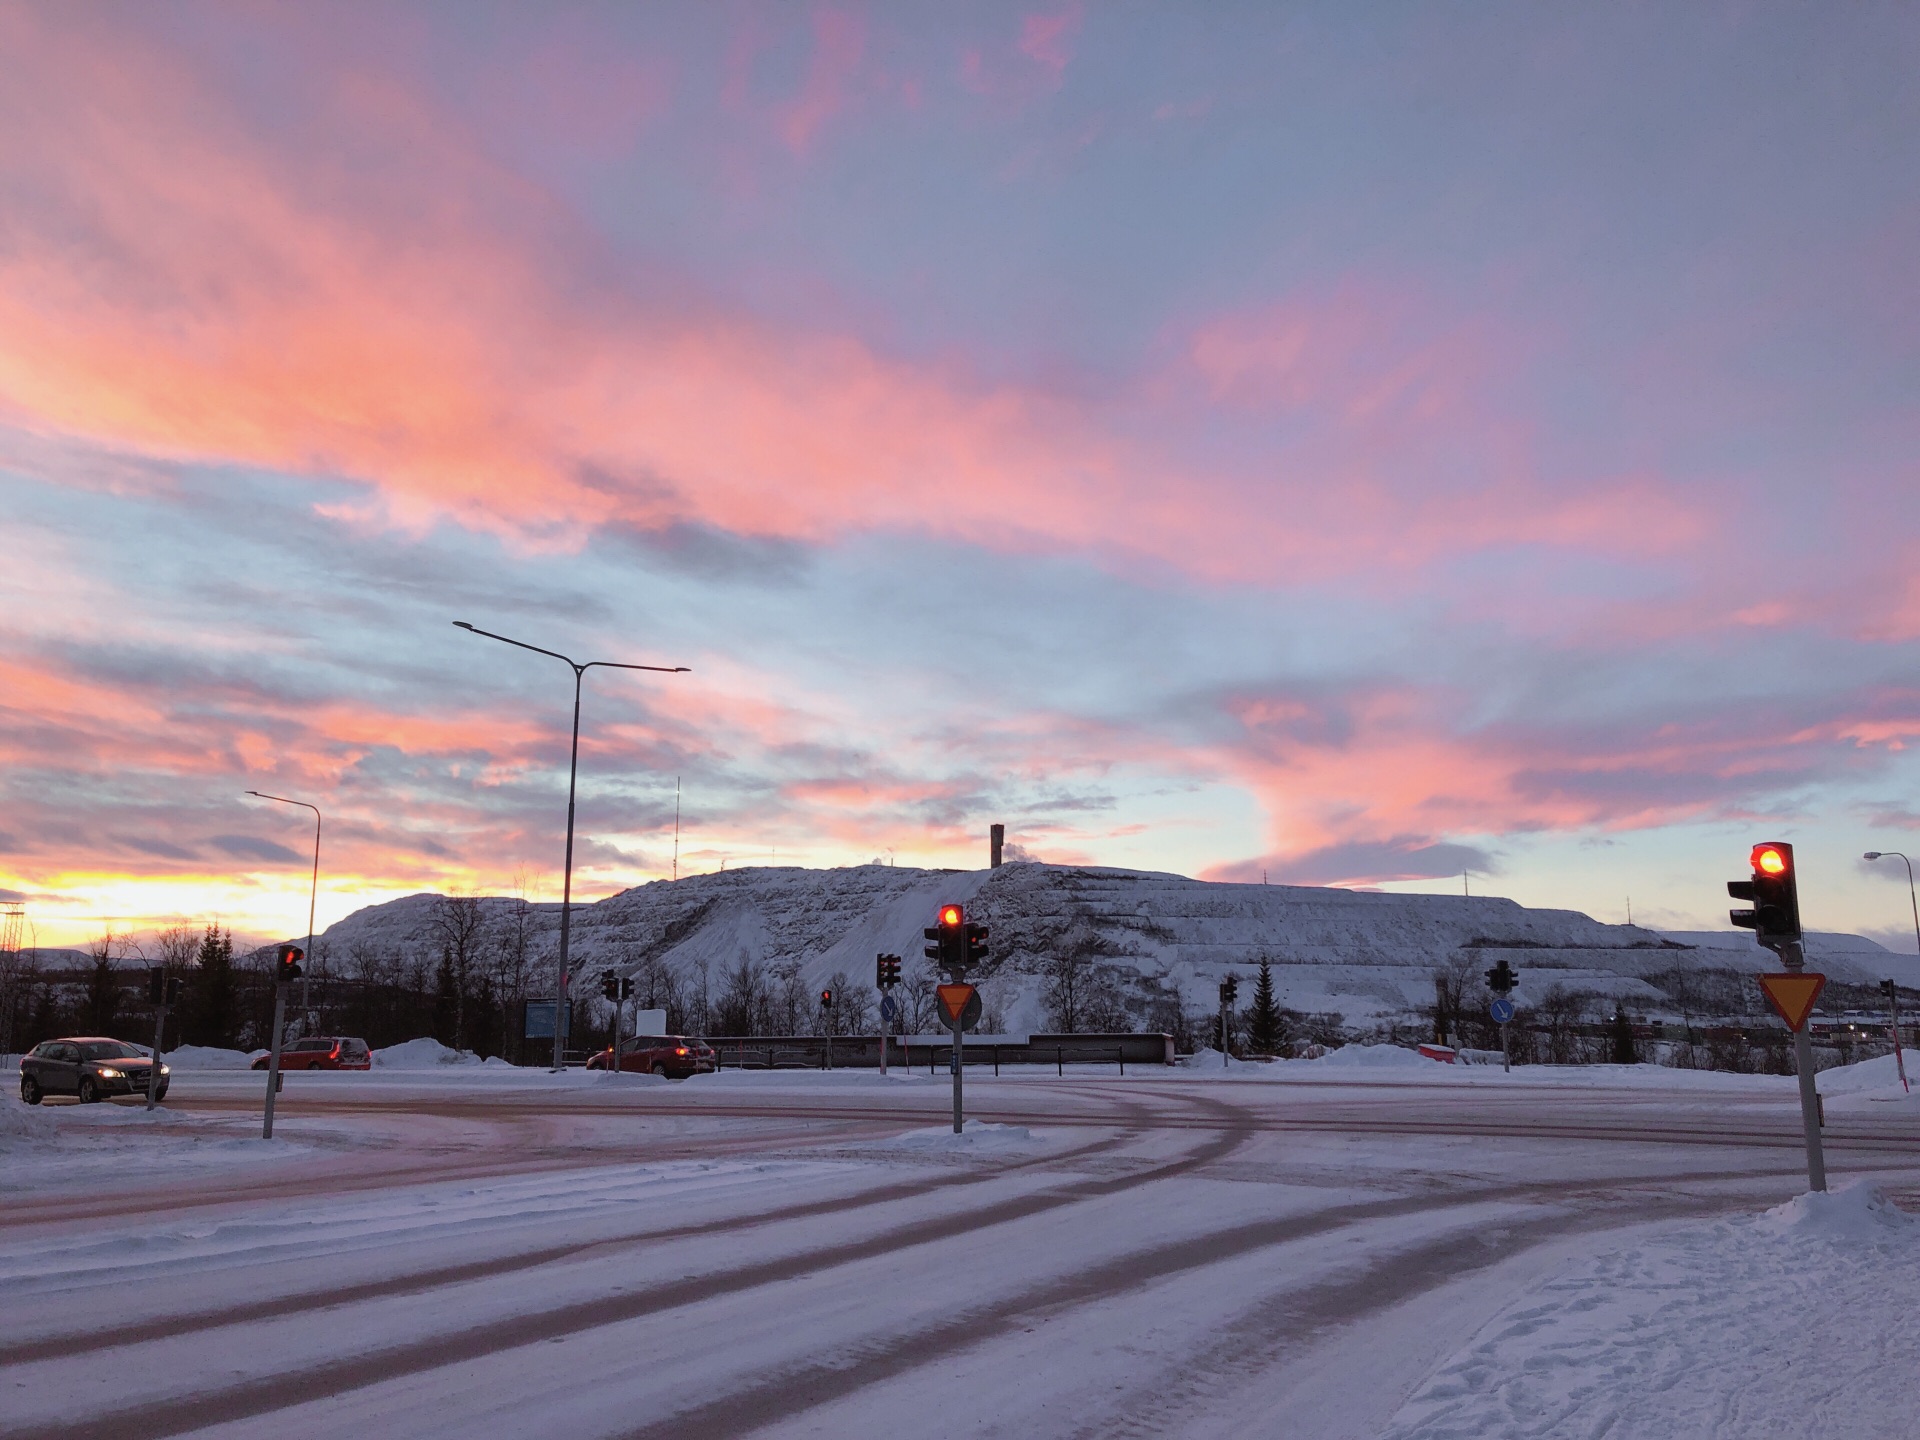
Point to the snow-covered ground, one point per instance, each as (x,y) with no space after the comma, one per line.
(1346,1247)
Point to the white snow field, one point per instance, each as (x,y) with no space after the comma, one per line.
(1357,1249)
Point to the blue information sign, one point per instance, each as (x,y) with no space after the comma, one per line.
(539,1020)
(889,1009)
(1501,1010)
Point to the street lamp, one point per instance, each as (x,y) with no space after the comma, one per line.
(573,770)
(306,1009)
(1911,900)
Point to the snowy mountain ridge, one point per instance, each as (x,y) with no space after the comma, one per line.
(1363,954)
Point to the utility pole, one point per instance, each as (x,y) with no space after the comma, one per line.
(1892,992)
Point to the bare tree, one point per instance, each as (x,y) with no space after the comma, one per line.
(458,924)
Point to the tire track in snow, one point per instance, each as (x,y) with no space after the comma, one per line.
(251,1398)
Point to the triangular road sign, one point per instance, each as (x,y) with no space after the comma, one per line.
(1792,994)
(953,1000)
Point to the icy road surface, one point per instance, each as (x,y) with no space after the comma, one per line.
(1320,1252)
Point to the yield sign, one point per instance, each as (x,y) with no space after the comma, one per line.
(1793,994)
(953,1000)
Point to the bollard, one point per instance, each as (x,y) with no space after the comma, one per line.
(1120,1051)
(996,1060)
(1059,1064)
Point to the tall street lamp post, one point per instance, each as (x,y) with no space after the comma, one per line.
(1911,898)
(306,1008)
(573,770)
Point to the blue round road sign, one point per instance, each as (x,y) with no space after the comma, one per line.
(1501,1010)
(889,1010)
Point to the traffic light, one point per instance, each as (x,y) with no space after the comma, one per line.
(1891,991)
(1502,978)
(156,985)
(949,937)
(826,999)
(1230,990)
(976,946)
(174,986)
(886,971)
(286,963)
(1775,893)
(610,985)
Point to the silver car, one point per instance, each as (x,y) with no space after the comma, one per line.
(91,1067)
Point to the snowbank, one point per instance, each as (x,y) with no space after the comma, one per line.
(1791,1323)
(977,1137)
(207,1057)
(426,1053)
(1866,1077)
(1376,1057)
(22,1125)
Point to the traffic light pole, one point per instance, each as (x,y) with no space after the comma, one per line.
(273,1058)
(152,1070)
(1893,1014)
(1225,1059)
(1794,958)
(619,1004)
(959,1068)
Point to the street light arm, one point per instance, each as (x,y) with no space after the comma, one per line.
(261,794)
(506,640)
(618,665)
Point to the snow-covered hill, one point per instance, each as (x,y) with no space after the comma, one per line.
(1362,954)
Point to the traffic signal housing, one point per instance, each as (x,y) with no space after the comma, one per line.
(286,963)
(886,971)
(949,937)
(1502,978)
(826,999)
(1230,990)
(156,985)
(976,944)
(1774,891)
(610,985)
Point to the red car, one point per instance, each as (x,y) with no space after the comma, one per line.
(674,1056)
(323,1052)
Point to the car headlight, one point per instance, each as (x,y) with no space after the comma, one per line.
(107,1072)
(166,1069)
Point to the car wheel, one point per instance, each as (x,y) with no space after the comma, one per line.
(89,1090)
(314,1066)
(29,1089)
(161,1093)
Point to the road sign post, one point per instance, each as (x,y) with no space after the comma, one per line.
(1774,889)
(959,1002)
(1502,1012)
(286,969)
(1892,992)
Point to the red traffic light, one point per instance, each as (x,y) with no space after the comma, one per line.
(952,916)
(826,997)
(1772,859)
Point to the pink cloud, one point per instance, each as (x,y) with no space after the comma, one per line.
(1047,39)
(839,40)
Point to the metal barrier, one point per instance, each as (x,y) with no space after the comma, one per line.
(862,1052)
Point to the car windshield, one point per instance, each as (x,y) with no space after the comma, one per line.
(110,1050)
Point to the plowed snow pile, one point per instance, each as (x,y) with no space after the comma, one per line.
(1779,1326)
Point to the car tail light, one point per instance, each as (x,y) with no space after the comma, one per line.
(681,1050)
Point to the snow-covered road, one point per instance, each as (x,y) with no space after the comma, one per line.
(507,1253)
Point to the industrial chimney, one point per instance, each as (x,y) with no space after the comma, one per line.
(997,839)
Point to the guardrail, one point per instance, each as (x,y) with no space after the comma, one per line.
(862,1052)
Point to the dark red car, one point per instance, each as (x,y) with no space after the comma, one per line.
(323,1052)
(675,1056)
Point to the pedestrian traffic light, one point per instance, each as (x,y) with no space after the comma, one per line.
(286,963)
(1775,893)
(1502,978)
(826,999)
(949,937)
(976,944)
(156,985)
(1230,990)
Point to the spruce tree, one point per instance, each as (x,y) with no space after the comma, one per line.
(1266,1027)
(209,1018)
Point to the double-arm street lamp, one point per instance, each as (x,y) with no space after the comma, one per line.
(306,1010)
(573,769)
(1911,898)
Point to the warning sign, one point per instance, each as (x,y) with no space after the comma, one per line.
(953,1000)
(1792,994)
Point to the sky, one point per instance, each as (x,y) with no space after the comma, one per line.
(1413,446)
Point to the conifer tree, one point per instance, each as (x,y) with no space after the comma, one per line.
(1266,1027)
(209,1018)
